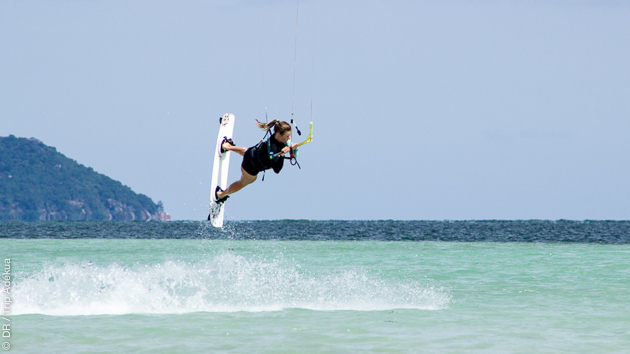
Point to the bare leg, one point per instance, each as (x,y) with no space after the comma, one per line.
(246,179)
(237,149)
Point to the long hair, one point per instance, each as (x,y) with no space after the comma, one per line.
(278,126)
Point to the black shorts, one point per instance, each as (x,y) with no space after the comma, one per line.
(249,163)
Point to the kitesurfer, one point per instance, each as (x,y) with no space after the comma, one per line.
(267,154)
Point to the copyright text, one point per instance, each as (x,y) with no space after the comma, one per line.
(6,304)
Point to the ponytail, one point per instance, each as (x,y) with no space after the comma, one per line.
(278,126)
(266,126)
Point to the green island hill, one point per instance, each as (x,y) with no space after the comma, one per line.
(38,183)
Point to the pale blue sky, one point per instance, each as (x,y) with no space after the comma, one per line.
(422,109)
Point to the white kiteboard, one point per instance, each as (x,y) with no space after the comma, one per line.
(220,170)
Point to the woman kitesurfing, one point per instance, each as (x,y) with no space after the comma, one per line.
(267,154)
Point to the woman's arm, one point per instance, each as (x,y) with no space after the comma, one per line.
(286,149)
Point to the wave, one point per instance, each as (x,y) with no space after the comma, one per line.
(226,283)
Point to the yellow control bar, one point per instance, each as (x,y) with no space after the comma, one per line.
(309,138)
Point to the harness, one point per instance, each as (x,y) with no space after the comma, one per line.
(270,154)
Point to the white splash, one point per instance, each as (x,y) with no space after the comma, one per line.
(227,283)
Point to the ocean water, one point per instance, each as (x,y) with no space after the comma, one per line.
(317,287)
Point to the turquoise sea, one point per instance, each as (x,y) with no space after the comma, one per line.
(316,287)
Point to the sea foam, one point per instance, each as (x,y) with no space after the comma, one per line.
(225,283)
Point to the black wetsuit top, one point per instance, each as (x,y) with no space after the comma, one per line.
(257,158)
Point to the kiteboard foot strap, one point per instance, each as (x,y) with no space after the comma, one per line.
(216,198)
(226,140)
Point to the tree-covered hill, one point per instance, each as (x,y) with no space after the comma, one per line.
(39,183)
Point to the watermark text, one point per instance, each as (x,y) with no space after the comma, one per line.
(5,326)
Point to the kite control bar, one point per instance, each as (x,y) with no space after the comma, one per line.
(309,138)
